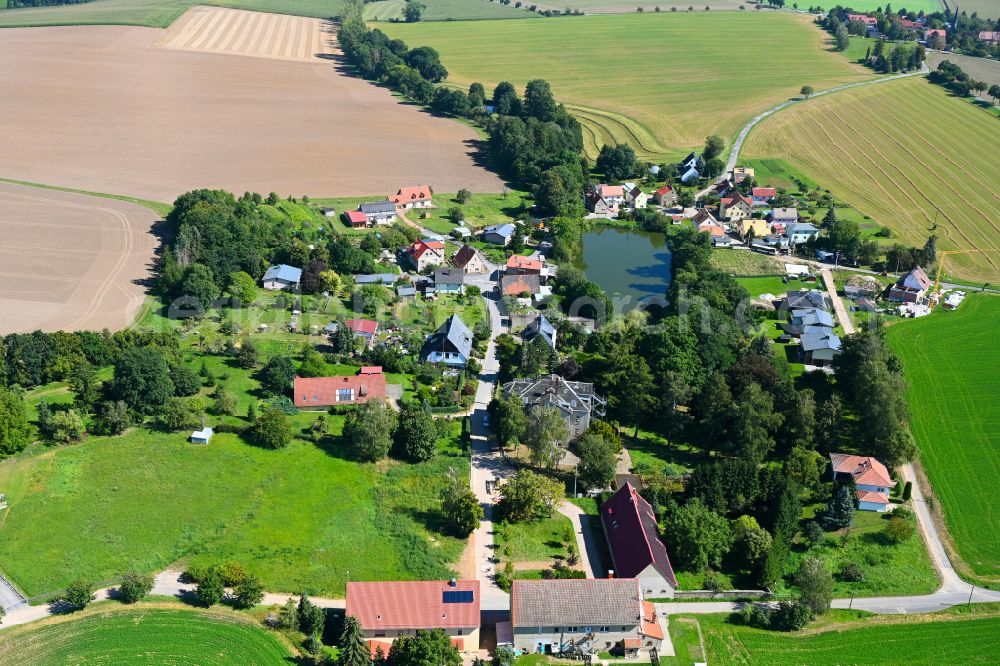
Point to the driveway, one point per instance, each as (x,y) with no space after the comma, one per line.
(838,304)
(586,540)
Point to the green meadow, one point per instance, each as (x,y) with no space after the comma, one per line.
(953,372)
(144,635)
(843,638)
(661,82)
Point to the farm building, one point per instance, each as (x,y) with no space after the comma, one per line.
(871,479)
(281,276)
(632,533)
(583,618)
(386,610)
(324,392)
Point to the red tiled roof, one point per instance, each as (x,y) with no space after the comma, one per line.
(935,31)
(521,262)
(356,217)
(370,370)
(412,605)
(322,391)
(633,535)
(866,470)
(764,192)
(408,194)
(366,326)
(419,247)
(987,36)
(735,198)
(605,191)
(632,643)
(515,285)
(871,496)
(666,189)
(650,625)
(869,20)
(375,645)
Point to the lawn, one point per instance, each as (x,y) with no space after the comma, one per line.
(632,77)
(859,144)
(481,210)
(144,635)
(161,13)
(845,639)
(304,517)
(953,372)
(539,541)
(744,263)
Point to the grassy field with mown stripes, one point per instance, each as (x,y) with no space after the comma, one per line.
(906,154)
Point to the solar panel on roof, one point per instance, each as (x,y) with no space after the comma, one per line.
(458,596)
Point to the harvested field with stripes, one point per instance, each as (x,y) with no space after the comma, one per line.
(219,30)
(70,261)
(905,153)
(105,109)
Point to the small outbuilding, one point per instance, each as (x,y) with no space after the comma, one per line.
(203,436)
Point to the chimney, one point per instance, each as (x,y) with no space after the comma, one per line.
(452,583)
(611,573)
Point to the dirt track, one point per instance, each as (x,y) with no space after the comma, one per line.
(101,108)
(70,261)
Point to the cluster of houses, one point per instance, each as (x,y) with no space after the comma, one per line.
(811,322)
(918,27)
(739,218)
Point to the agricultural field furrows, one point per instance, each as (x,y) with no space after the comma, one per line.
(236,32)
(953,371)
(161,13)
(661,82)
(56,273)
(155,122)
(130,637)
(872,147)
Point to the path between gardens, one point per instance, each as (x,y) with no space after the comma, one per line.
(838,305)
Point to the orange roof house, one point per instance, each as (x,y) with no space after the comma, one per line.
(872,480)
(323,392)
(412,197)
(389,609)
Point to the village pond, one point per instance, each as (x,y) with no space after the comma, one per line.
(631,266)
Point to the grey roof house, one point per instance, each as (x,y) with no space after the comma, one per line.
(805,299)
(375,278)
(379,212)
(575,400)
(819,348)
(583,617)
(800,320)
(540,326)
(451,344)
(449,280)
(281,276)
(499,234)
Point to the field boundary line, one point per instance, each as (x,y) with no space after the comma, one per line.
(157,207)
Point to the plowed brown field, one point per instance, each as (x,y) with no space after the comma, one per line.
(102,108)
(70,261)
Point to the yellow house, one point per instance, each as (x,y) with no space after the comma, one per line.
(760,228)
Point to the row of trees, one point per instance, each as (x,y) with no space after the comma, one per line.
(955,79)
